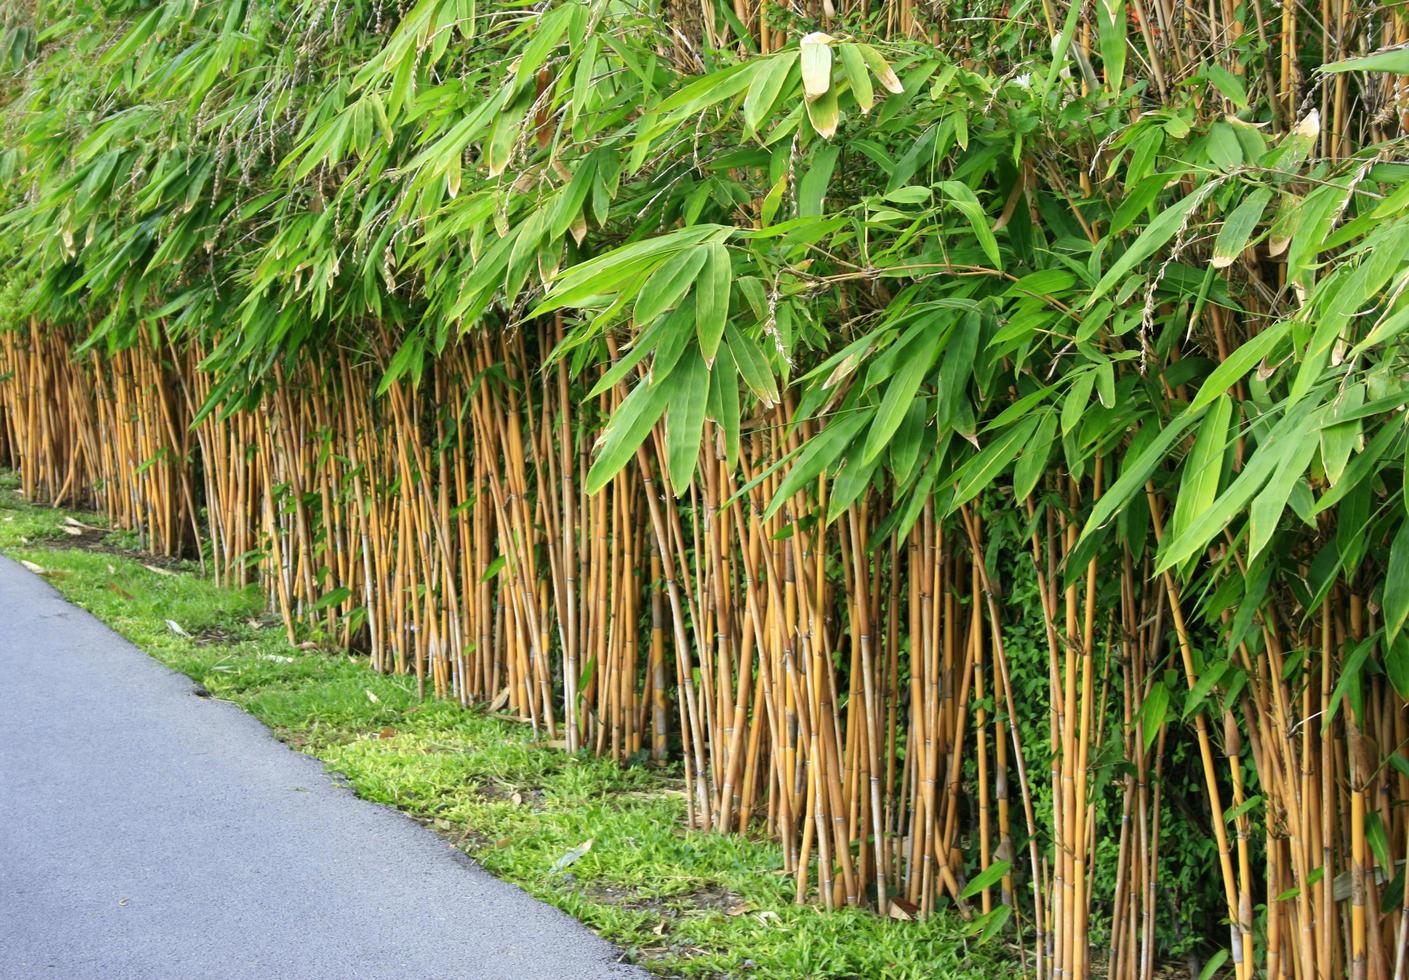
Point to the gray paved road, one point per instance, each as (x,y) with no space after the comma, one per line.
(145,832)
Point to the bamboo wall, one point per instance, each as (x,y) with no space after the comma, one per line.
(845,690)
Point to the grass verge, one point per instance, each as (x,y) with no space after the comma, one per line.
(605,844)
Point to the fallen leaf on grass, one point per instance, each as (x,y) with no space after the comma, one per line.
(500,700)
(660,928)
(159,570)
(737,909)
(387,732)
(175,627)
(70,522)
(121,591)
(276,658)
(898,912)
(571,857)
(77,532)
(372,697)
(36,569)
(517,798)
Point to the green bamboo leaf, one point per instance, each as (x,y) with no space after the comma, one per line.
(1238,364)
(1033,461)
(1361,466)
(986,878)
(622,267)
(1197,698)
(967,202)
(905,446)
(548,30)
(766,86)
(1153,710)
(983,468)
(1159,231)
(1134,474)
(914,364)
(1391,325)
(1396,658)
(668,284)
(812,188)
(677,329)
(1296,432)
(712,291)
(1203,467)
(492,570)
(1339,438)
(684,421)
(1077,400)
(855,67)
(1062,45)
(724,409)
(753,366)
(850,484)
(508,126)
(825,114)
(881,69)
(819,453)
(1238,228)
(1396,592)
(1110,18)
(1392,60)
(629,425)
(1266,512)
(1349,682)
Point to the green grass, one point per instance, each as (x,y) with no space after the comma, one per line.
(683,903)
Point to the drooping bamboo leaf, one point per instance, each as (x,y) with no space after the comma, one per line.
(855,67)
(820,453)
(630,424)
(1133,475)
(1203,468)
(668,284)
(712,292)
(684,422)
(1234,367)
(816,56)
(915,363)
(1296,433)
(1152,713)
(766,86)
(1396,591)
(1156,234)
(963,198)
(824,112)
(982,469)
(1033,460)
(1238,227)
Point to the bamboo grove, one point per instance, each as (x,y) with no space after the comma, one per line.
(966,441)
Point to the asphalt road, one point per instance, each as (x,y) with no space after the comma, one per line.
(147,832)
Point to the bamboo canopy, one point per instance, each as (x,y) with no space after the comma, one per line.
(967,442)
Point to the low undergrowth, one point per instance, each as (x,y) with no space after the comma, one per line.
(601,842)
